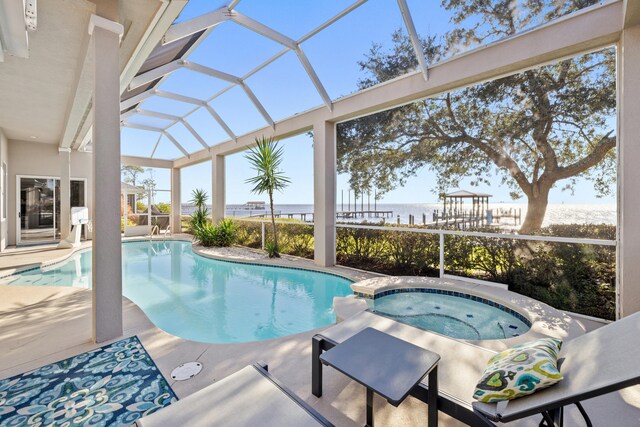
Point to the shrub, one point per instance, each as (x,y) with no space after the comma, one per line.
(221,235)
(140,207)
(226,233)
(294,237)
(297,240)
(458,254)
(198,220)
(249,234)
(130,223)
(360,243)
(272,250)
(163,207)
(496,259)
(413,253)
(200,217)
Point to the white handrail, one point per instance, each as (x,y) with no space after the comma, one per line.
(442,233)
(576,240)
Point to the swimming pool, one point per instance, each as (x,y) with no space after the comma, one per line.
(207,300)
(450,313)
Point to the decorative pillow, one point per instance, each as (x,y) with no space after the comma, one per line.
(519,371)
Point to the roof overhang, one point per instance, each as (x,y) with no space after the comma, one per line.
(145,24)
(14,38)
(631,13)
(161,55)
(48,97)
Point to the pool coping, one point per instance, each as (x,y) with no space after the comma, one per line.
(545,320)
(10,271)
(286,261)
(85,245)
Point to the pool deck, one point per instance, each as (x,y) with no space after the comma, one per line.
(545,320)
(14,260)
(40,325)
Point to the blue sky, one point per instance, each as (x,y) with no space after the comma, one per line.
(284,89)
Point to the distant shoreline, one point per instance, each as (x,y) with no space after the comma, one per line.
(238,205)
(557,213)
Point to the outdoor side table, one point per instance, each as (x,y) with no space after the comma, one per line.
(387,366)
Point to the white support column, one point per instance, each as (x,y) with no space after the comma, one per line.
(217,188)
(324,193)
(107,255)
(65,192)
(628,172)
(176,204)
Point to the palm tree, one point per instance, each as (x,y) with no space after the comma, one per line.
(266,158)
(199,199)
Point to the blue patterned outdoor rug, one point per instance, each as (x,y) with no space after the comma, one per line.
(110,386)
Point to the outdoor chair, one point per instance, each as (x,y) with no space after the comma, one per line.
(600,362)
(249,397)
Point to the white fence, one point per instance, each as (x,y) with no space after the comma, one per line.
(442,233)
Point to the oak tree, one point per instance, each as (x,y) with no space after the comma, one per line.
(534,130)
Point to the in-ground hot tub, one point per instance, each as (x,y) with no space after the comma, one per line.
(452,313)
(437,306)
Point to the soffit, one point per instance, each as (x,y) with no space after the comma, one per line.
(35,91)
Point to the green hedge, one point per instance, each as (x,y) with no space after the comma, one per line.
(293,238)
(222,234)
(574,277)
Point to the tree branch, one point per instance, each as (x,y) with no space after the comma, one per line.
(544,122)
(499,157)
(601,149)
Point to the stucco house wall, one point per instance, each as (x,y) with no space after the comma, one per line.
(37,159)
(4,188)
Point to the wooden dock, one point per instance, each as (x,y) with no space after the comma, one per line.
(364,214)
(465,219)
(457,218)
(308,216)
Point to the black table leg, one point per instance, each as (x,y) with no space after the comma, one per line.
(369,408)
(432,397)
(316,367)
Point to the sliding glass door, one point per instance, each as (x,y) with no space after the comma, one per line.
(36,215)
(39,208)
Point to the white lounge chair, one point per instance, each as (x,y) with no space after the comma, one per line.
(249,397)
(596,363)
(600,362)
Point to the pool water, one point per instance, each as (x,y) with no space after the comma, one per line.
(454,316)
(206,300)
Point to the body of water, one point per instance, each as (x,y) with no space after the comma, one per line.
(556,213)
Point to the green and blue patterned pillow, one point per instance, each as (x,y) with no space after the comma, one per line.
(520,371)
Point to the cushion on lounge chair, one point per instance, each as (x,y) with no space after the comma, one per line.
(246,398)
(602,361)
(519,371)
